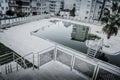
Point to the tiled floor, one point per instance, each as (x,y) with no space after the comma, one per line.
(50,71)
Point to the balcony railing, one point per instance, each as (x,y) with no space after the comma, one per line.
(13,4)
(92,69)
(20,20)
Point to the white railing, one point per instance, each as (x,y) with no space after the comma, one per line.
(24,62)
(92,69)
(15,21)
(78,19)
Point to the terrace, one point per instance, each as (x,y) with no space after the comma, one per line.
(41,55)
(58,63)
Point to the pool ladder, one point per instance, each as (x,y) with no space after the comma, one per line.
(91,52)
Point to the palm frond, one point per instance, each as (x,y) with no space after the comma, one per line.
(104,19)
(119,10)
(114,6)
(118,22)
(106,12)
(110,30)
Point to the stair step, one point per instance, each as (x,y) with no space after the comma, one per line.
(91,52)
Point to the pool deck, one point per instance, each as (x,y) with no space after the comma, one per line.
(50,71)
(19,39)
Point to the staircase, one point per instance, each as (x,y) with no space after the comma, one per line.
(92,50)
(13,62)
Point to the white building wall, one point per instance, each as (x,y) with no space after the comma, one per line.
(0,8)
(54,6)
(83,8)
(34,3)
(4,6)
(69,4)
(97,9)
(47,6)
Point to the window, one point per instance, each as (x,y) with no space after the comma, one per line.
(88,6)
(6,8)
(6,1)
(83,28)
(87,12)
(2,8)
(2,1)
(99,13)
(85,17)
(88,1)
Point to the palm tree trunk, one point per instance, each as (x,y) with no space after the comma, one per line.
(102,9)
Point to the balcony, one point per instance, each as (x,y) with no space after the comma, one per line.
(59,63)
(13,4)
(25,0)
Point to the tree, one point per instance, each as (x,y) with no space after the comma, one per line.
(111,19)
(10,13)
(20,13)
(72,12)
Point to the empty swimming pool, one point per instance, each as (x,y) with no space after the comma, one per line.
(68,34)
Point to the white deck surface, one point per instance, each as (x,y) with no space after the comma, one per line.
(18,38)
(50,71)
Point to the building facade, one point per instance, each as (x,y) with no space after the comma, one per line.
(23,6)
(96,9)
(38,7)
(55,6)
(3,7)
(90,10)
(0,10)
(69,4)
(12,5)
(83,8)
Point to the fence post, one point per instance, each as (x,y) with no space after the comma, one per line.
(16,66)
(24,63)
(11,67)
(55,52)
(33,61)
(0,69)
(21,62)
(38,60)
(6,69)
(96,70)
(72,62)
(13,56)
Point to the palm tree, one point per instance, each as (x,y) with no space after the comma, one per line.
(72,12)
(111,19)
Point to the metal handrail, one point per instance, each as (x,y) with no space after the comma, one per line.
(80,52)
(5,58)
(97,61)
(20,20)
(6,54)
(34,53)
(98,64)
(117,53)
